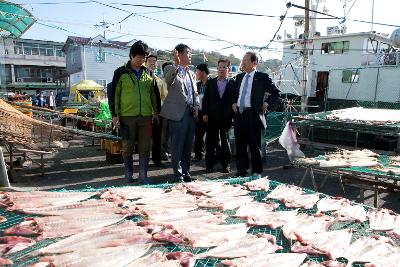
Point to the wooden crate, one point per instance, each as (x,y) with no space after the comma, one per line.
(71,111)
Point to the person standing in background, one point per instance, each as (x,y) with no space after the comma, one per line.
(165,136)
(158,84)
(52,101)
(218,114)
(181,108)
(202,75)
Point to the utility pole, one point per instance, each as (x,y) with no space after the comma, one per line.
(304,97)
(372,15)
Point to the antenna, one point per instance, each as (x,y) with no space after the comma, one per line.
(104,25)
(345,9)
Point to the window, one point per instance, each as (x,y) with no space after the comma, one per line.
(102,82)
(372,46)
(27,50)
(42,51)
(35,50)
(59,52)
(49,51)
(18,48)
(350,76)
(101,56)
(335,47)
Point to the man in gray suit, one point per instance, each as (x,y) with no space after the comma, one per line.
(181,109)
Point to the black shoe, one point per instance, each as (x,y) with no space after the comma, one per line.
(240,174)
(159,164)
(197,159)
(210,170)
(226,169)
(187,178)
(164,157)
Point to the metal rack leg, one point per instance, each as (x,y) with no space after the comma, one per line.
(304,177)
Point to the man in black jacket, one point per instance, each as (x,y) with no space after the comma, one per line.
(202,73)
(253,90)
(217,110)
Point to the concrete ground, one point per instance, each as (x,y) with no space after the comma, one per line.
(79,165)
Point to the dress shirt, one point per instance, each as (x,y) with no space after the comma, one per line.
(247,99)
(188,83)
(221,83)
(202,89)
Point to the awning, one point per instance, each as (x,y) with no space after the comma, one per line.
(32,86)
(87,85)
(14,19)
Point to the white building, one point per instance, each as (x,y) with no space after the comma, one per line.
(94,58)
(356,66)
(30,65)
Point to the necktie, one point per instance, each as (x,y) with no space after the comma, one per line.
(244,92)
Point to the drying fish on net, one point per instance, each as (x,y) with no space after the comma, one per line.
(224,203)
(272,219)
(59,226)
(388,170)
(330,204)
(12,244)
(293,196)
(373,250)
(122,234)
(333,244)
(253,209)
(268,260)
(243,247)
(306,227)
(19,201)
(348,212)
(258,184)
(329,263)
(366,115)
(383,219)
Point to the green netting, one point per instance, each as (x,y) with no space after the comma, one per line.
(384,160)
(105,114)
(24,258)
(333,104)
(14,19)
(276,122)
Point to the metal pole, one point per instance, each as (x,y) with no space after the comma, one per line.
(304,98)
(84,63)
(372,15)
(3,171)
(376,87)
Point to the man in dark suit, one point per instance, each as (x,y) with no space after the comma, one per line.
(202,73)
(217,110)
(253,90)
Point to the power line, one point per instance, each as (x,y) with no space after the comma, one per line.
(170,24)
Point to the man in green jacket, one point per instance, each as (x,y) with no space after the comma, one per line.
(134,109)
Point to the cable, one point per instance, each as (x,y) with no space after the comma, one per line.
(170,24)
(342,19)
(348,11)
(282,18)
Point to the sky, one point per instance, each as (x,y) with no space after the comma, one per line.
(63,18)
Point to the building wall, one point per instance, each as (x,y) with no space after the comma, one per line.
(73,59)
(292,75)
(374,84)
(25,60)
(10,54)
(97,69)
